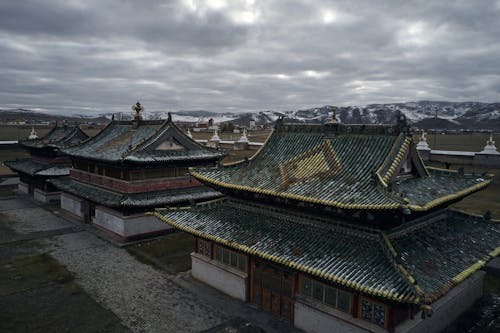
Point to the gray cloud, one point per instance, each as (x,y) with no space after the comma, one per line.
(100,56)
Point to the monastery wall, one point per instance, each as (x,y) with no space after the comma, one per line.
(23,187)
(447,308)
(453,159)
(226,279)
(72,204)
(47,197)
(318,318)
(127,226)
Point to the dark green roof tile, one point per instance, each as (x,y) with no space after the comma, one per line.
(143,199)
(335,166)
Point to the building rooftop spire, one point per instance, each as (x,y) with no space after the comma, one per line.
(138,108)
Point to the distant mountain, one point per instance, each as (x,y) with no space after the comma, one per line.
(422,114)
(30,116)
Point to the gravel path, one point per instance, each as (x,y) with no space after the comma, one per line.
(143,298)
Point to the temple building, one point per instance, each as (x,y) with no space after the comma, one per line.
(46,161)
(341,228)
(131,167)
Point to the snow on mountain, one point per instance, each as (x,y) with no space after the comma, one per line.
(425,114)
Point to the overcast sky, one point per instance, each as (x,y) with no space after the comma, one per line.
(101,56)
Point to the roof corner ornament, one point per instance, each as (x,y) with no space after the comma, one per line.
(138,108)
(169,119)
(189,133)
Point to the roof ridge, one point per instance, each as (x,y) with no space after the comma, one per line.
(138,145)
(392,256)
(393,158)
(90,138)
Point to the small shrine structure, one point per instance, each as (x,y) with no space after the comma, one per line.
(46,161)
(131,167)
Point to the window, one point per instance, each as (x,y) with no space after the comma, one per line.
(331,296)
(231,258)
(204,247)
(372,311)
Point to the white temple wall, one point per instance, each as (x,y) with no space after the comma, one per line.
(127,226)
(72,204)
(47,197)
(318,318)
(224,278)
(447,308)
(23,187)
(487,160)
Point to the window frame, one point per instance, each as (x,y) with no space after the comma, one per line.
(303,280)
(221,253)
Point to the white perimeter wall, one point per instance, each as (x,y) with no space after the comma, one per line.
(72,204)
(221,277)
(313,317)
(47,197)
(127,226)
(448,308)
(23,187)
(318,318)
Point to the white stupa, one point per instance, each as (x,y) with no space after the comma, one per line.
(422,144)
(215,137)
(32,135)
(490,147)
(189,133)
(244,137)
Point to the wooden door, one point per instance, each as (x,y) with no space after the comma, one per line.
(273,291)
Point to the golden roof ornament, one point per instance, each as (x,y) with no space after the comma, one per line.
(138,108)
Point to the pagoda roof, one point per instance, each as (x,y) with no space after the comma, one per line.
(345,166)
(111,198)
(37,168)
(58,137)
(142,141)
(408,265)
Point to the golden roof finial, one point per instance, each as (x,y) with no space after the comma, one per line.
(138,108)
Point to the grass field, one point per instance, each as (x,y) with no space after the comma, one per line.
(171,252)
(7,155)
(465,142)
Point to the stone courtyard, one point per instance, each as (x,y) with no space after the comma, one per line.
(95,285)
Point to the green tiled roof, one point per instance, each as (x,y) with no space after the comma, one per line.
(58,137)
(425,261)
(142,142)
(144,199)
(355,258)
(346,166)
(32,167)
(441,254)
